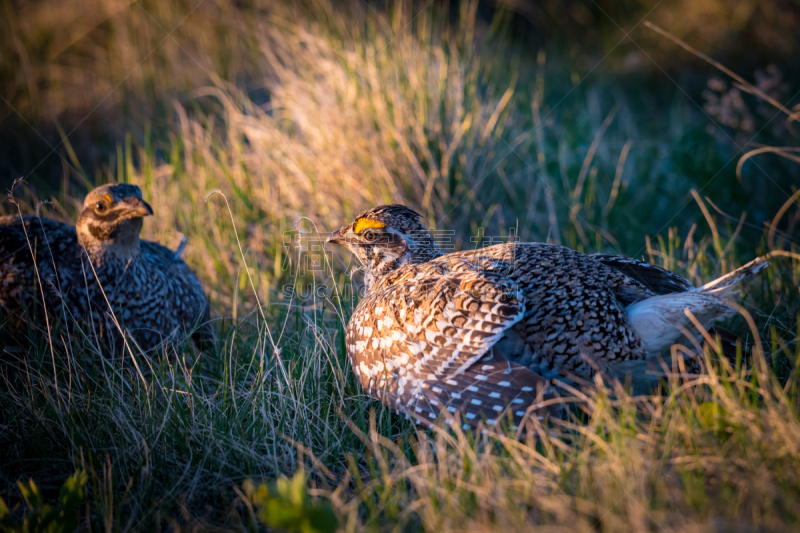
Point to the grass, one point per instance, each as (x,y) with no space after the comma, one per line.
(437,110)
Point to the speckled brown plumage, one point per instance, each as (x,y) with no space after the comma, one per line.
(482,330)
(153,294)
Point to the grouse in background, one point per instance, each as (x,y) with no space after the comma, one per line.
(98,277)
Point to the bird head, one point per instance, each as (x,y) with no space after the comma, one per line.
(385,238)
(112,220)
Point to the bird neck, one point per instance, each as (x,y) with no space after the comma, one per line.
(110,245)
(423,249)
(385,262)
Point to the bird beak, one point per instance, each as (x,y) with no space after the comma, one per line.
(135,207)
(340,236)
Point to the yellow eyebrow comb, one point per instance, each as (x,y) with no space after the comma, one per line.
(364,223)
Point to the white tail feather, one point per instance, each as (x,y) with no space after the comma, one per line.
(181,247)
(656,320)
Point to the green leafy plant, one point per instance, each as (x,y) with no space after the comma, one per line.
(285,505)
(42,517)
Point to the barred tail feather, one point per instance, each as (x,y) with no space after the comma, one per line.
(730,281)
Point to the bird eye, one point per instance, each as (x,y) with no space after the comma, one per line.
(100,206)
(370,235)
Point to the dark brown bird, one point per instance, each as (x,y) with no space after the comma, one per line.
(482,330)
(99,278)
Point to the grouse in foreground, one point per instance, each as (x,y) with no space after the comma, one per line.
(98,277)
(484,331)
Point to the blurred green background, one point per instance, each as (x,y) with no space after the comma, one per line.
(81,77)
